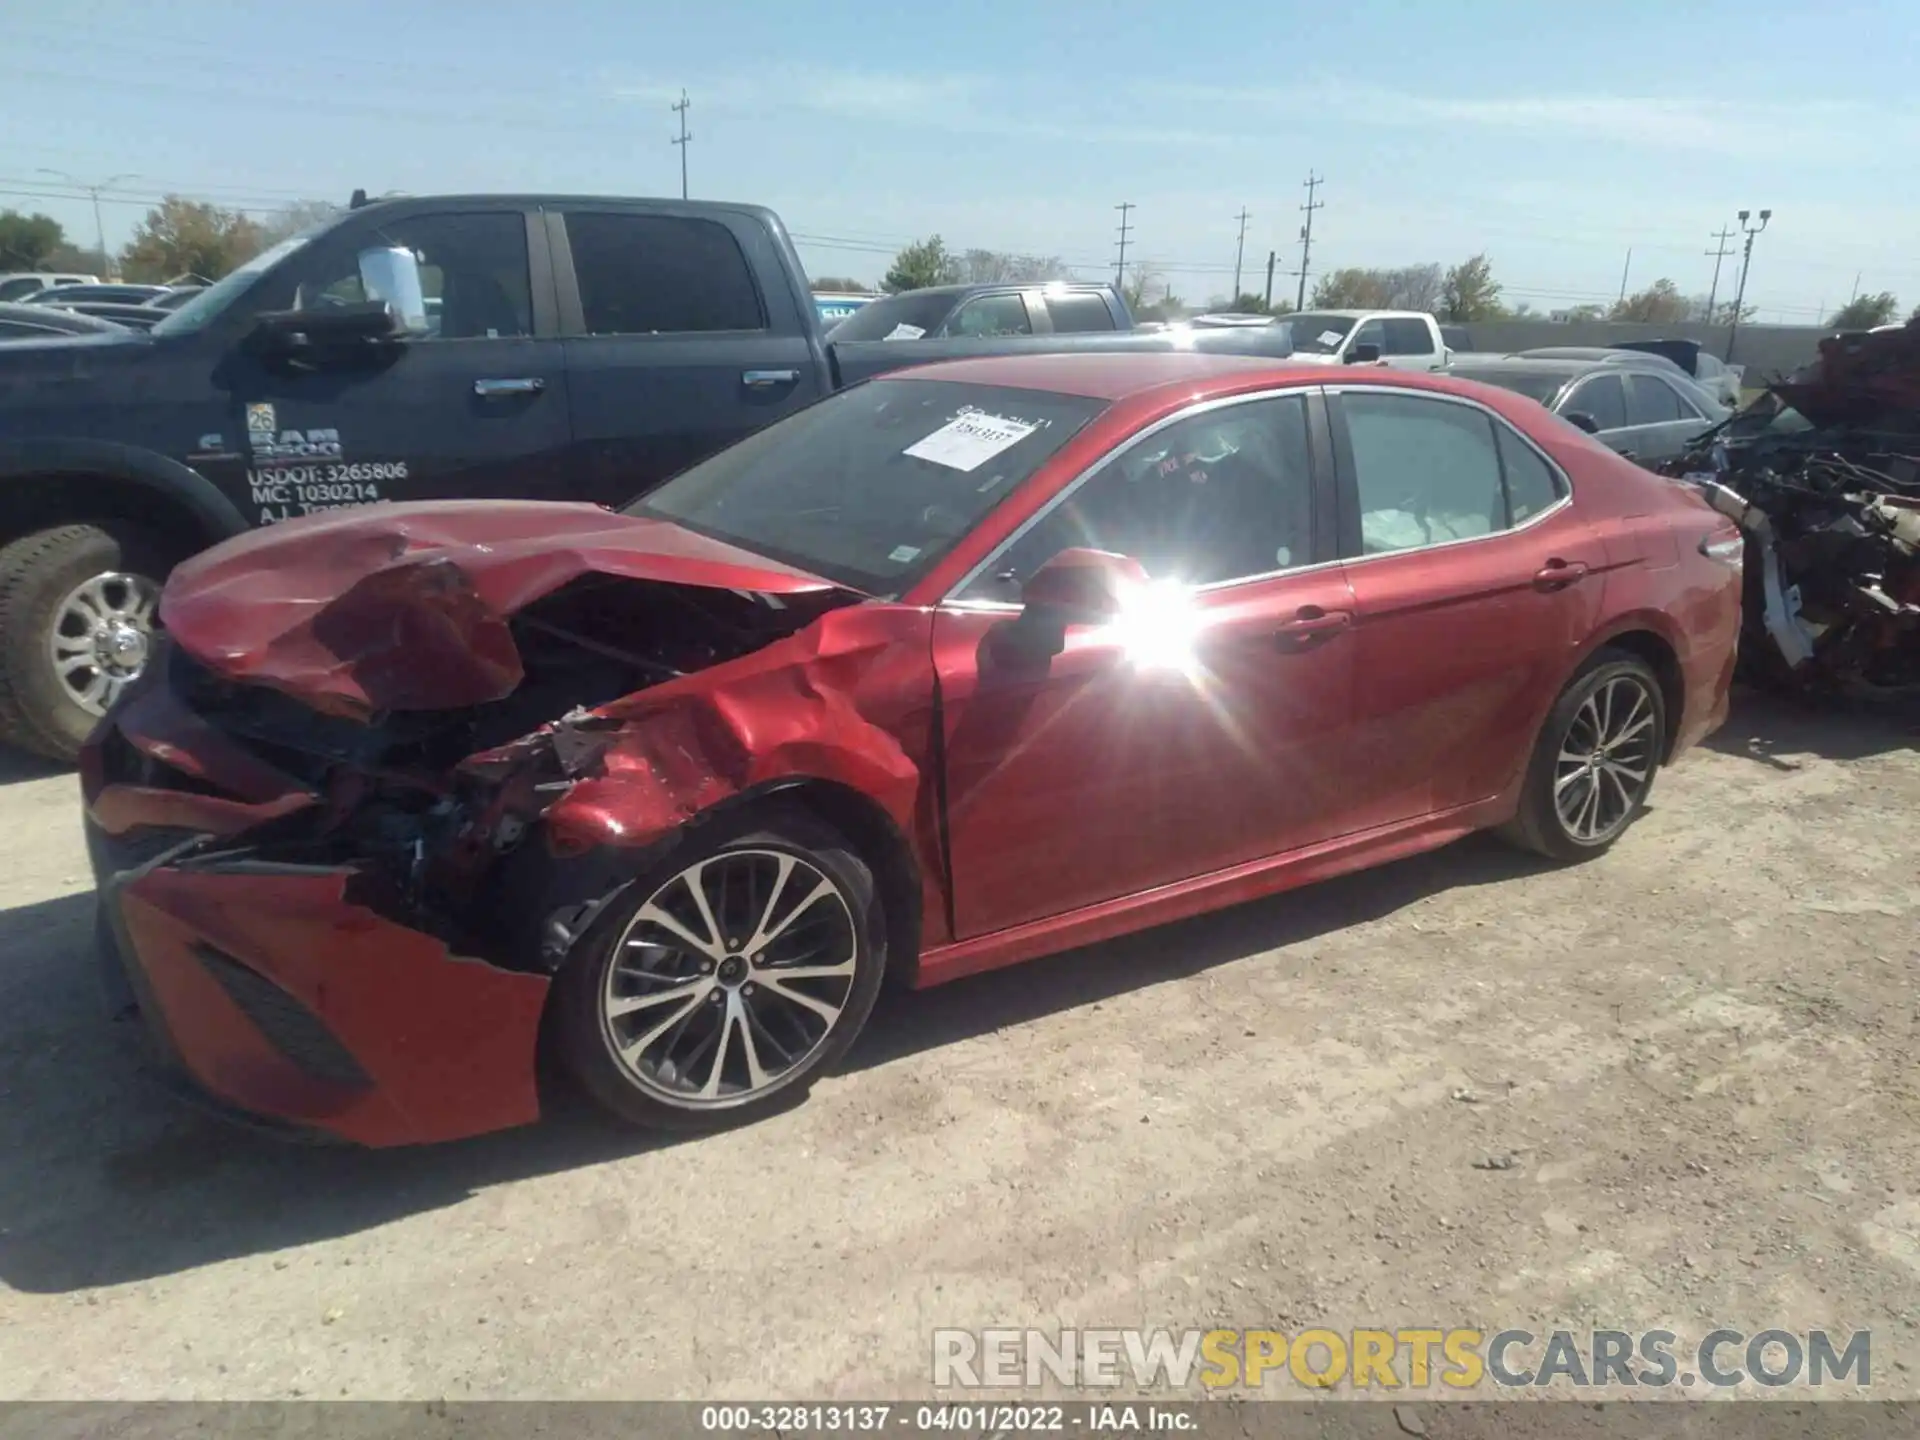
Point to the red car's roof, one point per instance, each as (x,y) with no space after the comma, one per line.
(1125,376)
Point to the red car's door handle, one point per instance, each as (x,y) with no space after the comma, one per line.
(1313,623)
(1555,573)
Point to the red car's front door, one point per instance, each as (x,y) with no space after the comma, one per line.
(1198,735)
(1475,581)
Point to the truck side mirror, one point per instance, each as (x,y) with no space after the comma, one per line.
(392,274)
(1581,420)
(326,333)
(1363,355)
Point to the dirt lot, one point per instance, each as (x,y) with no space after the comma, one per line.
(1699,1054)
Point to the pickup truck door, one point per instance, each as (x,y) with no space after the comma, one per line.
(683,335)
(475,406)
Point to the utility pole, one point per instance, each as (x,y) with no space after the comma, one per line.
(1624,270)
(93,192)
(1313,183)
(681,107)
(1239,251)
(1125,207)
(1746,259)
(1272,255)
(1718,253)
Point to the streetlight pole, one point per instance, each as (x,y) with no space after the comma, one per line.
(1746,259)
(93,191)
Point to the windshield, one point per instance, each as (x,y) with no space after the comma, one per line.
(217,296)
(20,285)
(1318,334)
(1541,385)
(872,486)
(898,317)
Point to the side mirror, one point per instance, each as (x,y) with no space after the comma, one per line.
(1081,586)
(392,274)
(301,333)
(1363,355)
(1581,420)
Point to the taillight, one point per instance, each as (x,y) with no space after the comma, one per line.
(1729,547)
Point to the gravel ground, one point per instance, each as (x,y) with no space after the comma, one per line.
(1692,1063)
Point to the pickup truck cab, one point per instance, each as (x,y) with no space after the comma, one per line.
(942,312)
(483,346)
(19,286)
(1402,339)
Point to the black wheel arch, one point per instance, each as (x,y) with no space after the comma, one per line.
(46,482)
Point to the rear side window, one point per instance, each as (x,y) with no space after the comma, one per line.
(1533,486)
(1426,471)
(660,275)
(1407,337)
(1076,314)
(1602,397)
(992,315)
(1651,401)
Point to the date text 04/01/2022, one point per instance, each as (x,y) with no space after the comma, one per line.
(279,492)
(943,1418)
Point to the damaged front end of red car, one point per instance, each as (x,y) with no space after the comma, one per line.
(390,763)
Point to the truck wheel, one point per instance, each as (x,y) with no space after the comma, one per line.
(78,607)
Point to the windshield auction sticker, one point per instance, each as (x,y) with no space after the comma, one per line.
(968,441)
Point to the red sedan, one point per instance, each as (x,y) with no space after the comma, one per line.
(955,668)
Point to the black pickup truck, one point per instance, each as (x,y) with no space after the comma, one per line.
(527,346)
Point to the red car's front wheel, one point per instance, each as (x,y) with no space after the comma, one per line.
(727,980)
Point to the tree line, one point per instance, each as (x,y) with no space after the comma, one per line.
(178,237)
(1461,293)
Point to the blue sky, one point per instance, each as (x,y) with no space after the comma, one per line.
(1555,136)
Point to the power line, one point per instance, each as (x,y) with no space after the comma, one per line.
(1313,183)
(1719,253)
(1239,251)
(681,106)
(1125,207)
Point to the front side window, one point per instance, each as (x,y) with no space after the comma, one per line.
(1223,495)
(1371,332)
(1426,471)
(20,285)
(660,275)
(1601,396)
(1407,336)
(992,315)
(871,487)
(473,273)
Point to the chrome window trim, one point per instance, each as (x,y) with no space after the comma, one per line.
(1301,388)
(1566,481)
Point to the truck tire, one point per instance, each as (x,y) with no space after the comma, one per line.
(78,607)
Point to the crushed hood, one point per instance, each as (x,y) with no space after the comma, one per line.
(405,607)
(1869,380)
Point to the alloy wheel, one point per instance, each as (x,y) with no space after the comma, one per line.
(101,637)
(730,976)
(1606,761)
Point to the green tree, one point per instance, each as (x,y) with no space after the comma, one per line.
(1661,303)
(1248,303)
(29,242)
(1863,312)
(292,219)
(1470,292)
(923,263)
(997,267)
(840,284)
(188,237)
(1402,287)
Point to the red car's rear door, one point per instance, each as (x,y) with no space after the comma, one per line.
(1199,734)
(1474,577)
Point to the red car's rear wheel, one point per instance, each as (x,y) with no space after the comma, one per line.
(1594,763)
(728,979)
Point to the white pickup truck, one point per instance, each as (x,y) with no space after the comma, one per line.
(1403,339)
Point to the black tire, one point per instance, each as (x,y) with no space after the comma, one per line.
(37,573)
(1540,826)
(585,1035)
